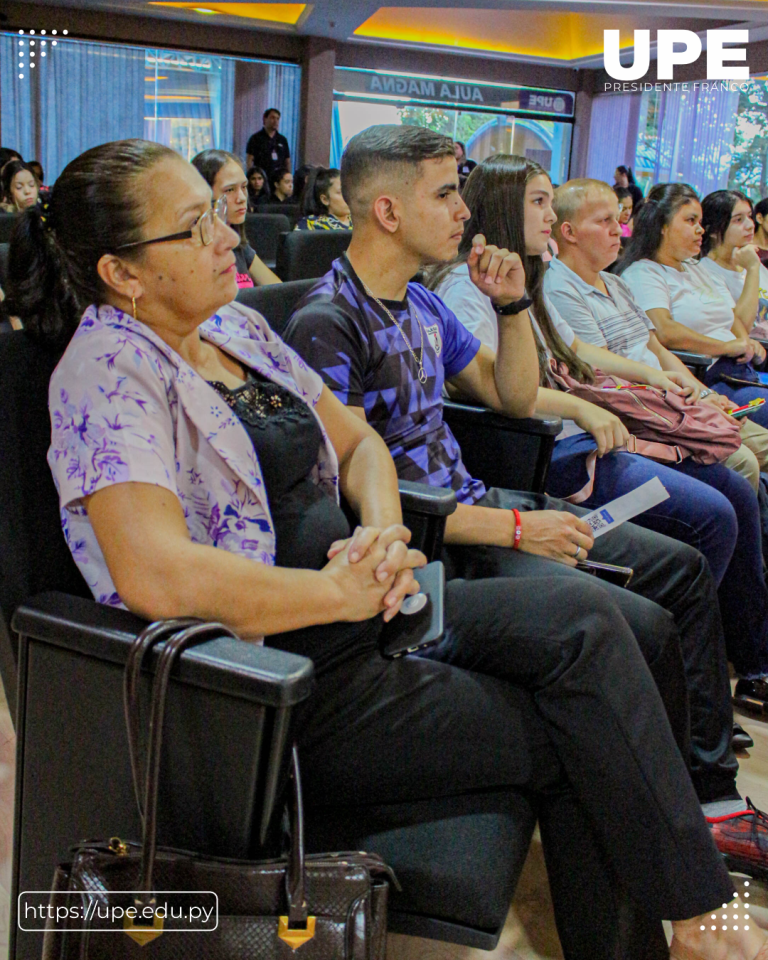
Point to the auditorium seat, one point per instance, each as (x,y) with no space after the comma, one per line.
(7,221)
(458,859)
(697,363)
(303,254)
(4,247)
(263,231)
(290,210)
(276,301)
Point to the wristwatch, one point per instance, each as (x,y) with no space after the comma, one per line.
(517,306)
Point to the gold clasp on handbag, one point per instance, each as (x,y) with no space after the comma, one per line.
(117,846)
(143,933)
(295,937)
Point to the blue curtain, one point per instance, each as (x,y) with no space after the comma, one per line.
(78,96)
(284,92)
(695,138)
(83,94)
(18,100)
(337,141)
(608,135)
(222,106)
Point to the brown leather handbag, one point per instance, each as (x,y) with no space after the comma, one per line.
(117,896)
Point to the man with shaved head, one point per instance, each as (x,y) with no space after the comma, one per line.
(600,309)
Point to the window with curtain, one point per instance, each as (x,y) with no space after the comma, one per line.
(683,136)
(188,99)
(81,94)
(607,135)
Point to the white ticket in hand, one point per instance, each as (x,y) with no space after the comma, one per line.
(637,501)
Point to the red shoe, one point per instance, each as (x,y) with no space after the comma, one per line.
(742,838)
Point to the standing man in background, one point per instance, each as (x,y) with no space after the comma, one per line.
(268,149)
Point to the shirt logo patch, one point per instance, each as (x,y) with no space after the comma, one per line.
(433,335)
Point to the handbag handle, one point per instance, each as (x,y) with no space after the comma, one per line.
(190,636)
(140,648)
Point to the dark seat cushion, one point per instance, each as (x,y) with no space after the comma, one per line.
(458,858)
(309,253)
(7,221)
(275,302)
(263,231)
(35,556)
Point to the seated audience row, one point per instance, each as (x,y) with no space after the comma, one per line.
(690,308)
(231,512)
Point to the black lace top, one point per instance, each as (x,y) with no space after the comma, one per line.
(286,438)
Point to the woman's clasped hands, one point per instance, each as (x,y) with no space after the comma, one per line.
(373,570)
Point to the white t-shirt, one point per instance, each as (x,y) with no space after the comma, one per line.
(734,280)
(692,295)
(476,312)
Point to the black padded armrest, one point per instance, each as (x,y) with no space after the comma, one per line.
(540,424)
(693,359)
(421,498)
(502,451)
(263,674)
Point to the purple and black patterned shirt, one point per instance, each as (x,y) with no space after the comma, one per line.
(363,358)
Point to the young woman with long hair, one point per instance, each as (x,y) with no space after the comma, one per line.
(728,221)
(323,206)
(258,188)
(690,308)
(709,507)
(224,174)
(19,185)
(281,186)
(761,228)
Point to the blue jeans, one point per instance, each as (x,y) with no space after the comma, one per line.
(709,507)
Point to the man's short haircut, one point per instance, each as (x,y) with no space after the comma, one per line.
(386,151)
(271,110)
(571,197)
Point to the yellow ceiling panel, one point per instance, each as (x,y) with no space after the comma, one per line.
(561,36)
(269,12)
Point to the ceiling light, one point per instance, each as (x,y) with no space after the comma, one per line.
(204,10)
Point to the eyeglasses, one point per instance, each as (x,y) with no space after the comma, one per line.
(206,223)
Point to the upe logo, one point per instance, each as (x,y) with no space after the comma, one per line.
(668,57)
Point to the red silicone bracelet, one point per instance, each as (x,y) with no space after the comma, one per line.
(518,530)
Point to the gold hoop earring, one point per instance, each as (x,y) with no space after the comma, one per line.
(133,302)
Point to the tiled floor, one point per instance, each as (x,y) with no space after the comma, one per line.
(530,930)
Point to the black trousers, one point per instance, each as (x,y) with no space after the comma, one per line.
(670,578)
(555,702)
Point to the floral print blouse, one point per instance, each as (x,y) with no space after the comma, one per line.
(125,407)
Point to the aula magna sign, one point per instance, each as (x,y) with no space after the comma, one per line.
(403,88)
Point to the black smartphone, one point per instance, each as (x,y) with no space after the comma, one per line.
(609,572)
(411,632)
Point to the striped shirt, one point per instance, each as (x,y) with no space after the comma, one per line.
(614,321)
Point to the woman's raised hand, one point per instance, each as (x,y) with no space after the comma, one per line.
(498,273)
(746,256)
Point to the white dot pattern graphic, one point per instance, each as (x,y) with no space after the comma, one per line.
(32,43)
